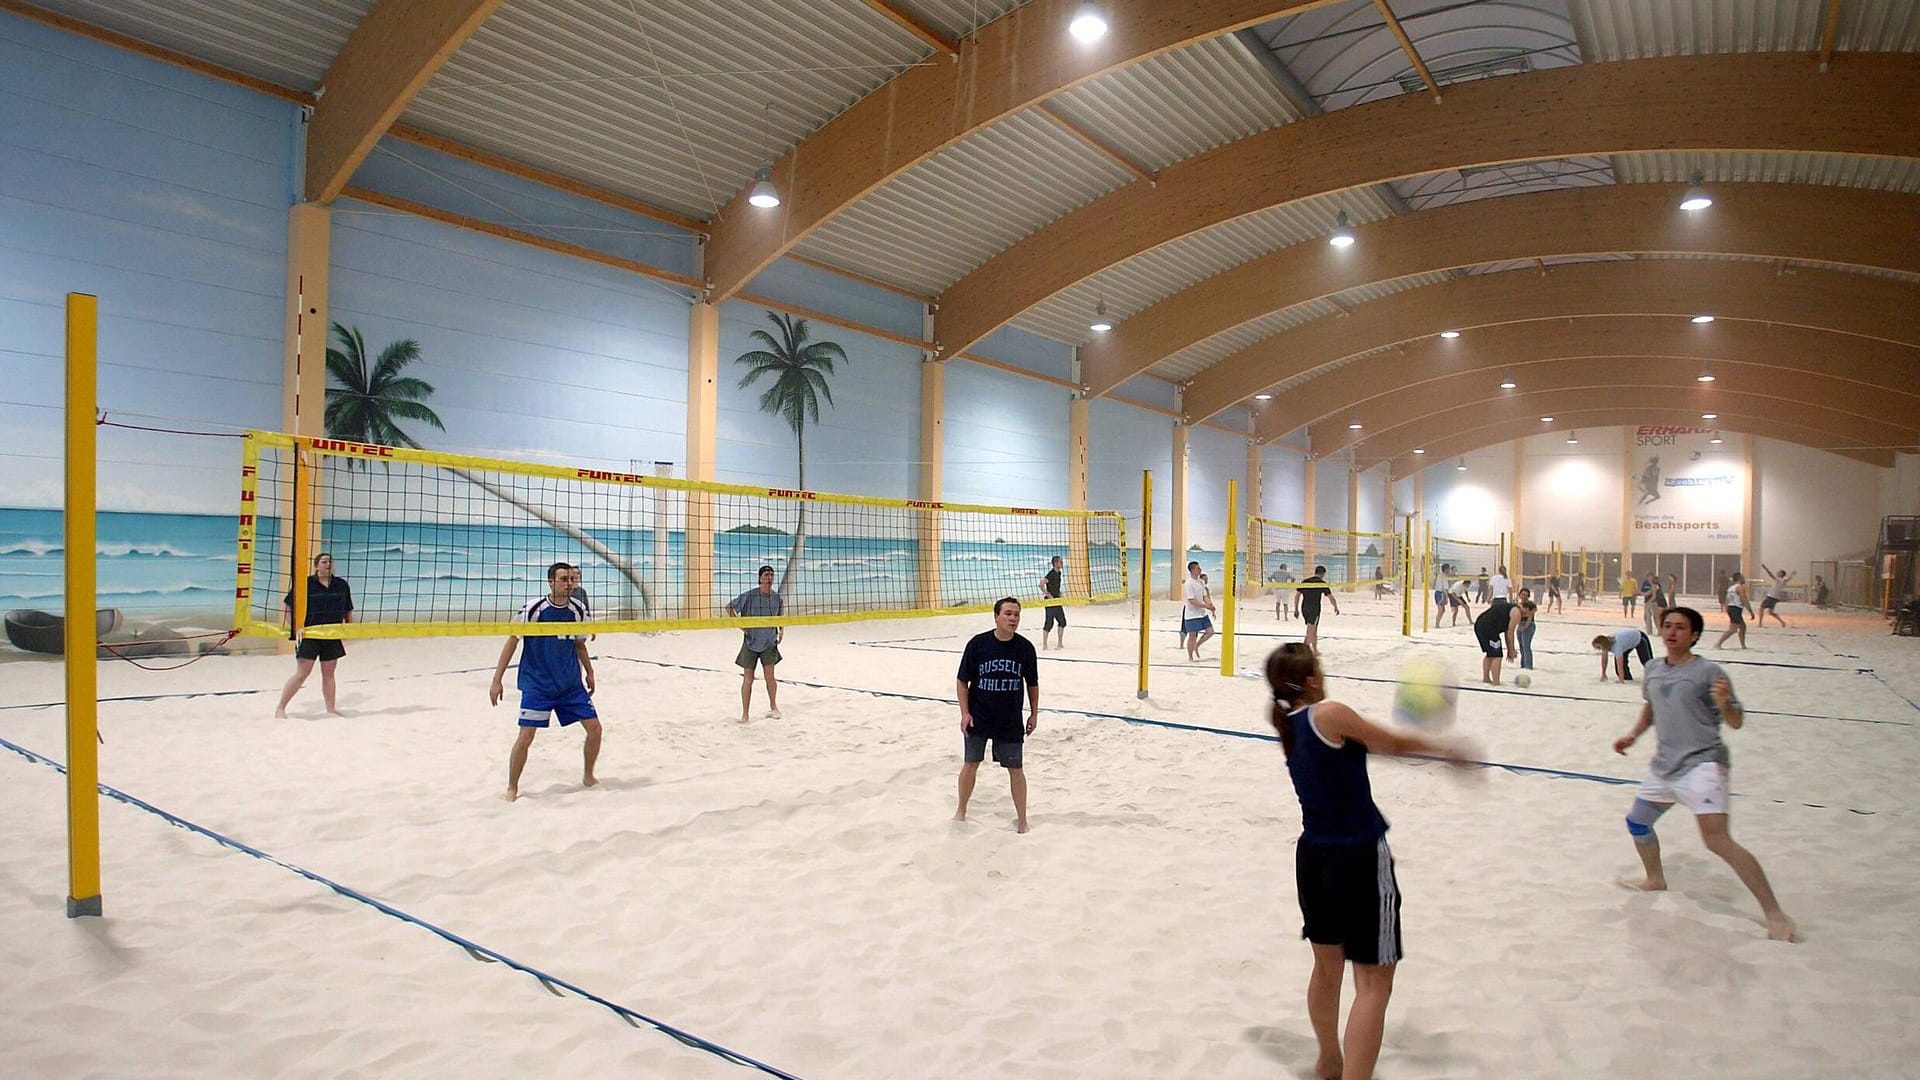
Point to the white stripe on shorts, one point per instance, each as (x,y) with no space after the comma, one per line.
(1388,901)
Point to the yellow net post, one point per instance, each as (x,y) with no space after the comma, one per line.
(1229,570)
(301,536)
(1426,579)
(1146,574)
(82,631)
(1405,542)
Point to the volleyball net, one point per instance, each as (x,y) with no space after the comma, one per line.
(1450,560)
(439,544)
(1282,553)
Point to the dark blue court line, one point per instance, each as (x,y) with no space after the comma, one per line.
(240,693)
(1463,687)
(480,952)
(1522,770)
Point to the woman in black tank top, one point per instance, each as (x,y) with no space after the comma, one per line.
(1343,869)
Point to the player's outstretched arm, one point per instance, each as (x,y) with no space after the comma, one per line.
(1340,721)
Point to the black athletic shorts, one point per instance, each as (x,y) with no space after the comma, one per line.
(1491,646)
(1056,616)
(1738,615)
(1349,898)
(1769,603)
(322,649)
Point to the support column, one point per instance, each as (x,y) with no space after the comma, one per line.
(1308,502)
(703,419)
(1517,568)
(933,404)
(1353,524)
(1749,516)
(1250,553)
(1177,532)
(1079,569)
(304,388)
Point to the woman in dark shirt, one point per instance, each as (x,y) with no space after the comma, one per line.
(329,601)
(1343,870)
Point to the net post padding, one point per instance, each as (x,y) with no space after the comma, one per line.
(443,544)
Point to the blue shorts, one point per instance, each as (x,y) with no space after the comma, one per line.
(572,708)
(1196,625)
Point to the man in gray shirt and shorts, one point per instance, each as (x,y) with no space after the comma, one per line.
(1686,699)
(762,643)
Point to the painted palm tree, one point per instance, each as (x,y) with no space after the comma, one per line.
(799,370)
(366,401)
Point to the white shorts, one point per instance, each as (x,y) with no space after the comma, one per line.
(1701,789)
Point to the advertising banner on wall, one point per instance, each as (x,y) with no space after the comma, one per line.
(1688,490)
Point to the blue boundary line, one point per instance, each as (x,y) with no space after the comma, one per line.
(1463,687)
(553,984)
(238,693)
(1522,770)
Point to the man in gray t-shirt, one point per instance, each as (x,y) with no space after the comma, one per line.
(1687,697)
(762,643)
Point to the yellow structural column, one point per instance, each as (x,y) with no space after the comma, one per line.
(1250,584)
(933,412)
(304,391)
(703,423)
(1229,600)
(1079,570)
(1749,503)
(1353,525)
(83,690)
(1146,575)
(1177,520)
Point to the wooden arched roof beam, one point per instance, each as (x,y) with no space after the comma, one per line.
(1012,63)
(1832,300)
(1783,221)
(1446,436)
(1862,107)
(1826,403)
(1870,367)
(387,59)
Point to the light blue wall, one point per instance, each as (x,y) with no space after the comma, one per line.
(1121,442)
(165,195)
(1006,439)
(1282,483)
(1213,458)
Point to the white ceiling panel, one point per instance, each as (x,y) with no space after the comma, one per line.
(1635,29)
(288,42)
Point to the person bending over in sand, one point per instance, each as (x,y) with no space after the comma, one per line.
(1617,645)
(1686,699)
(1499,620)
(995,667)
(1343,869)
(550,677)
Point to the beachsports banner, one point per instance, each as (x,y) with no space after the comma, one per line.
(1688,490)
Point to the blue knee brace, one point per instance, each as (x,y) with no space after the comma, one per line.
(1640,820)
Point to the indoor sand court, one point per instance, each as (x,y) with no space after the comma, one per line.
(793,891)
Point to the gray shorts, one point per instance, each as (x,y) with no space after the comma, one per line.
(748,657)
(1007,753)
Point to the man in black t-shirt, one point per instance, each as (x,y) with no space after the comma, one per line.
(994,669)
(1306,603)
(329,601)
(1056,615)
(1501,619)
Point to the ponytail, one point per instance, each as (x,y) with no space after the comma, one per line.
(1289,668)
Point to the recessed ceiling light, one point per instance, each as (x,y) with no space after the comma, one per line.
(1546,419)
(1709,416)
(1353,426)
(1418,450)
(1702,319)
(1263,397)
(1716,439)
(1088,24)
(1508,383)
(1449,334)
(1705,376)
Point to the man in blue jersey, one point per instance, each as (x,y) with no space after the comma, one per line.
(760,644)
(996,666)
(550,676)
(1687,698)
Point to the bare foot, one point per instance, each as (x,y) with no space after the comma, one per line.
(335,712)
(588,781)
(1328,1068)
(279,714)
(773,714)
(1781,928)
(1020,826)
(1644,884)
(745,719)
(512,794)
(959,815)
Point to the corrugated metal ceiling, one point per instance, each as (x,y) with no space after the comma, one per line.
(661,100)
(954,19)
(1180,104)
(947,215)
(1837,170)
(1634,29)
(289,42)
(1146,279)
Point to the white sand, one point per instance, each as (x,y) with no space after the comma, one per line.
(793,890)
